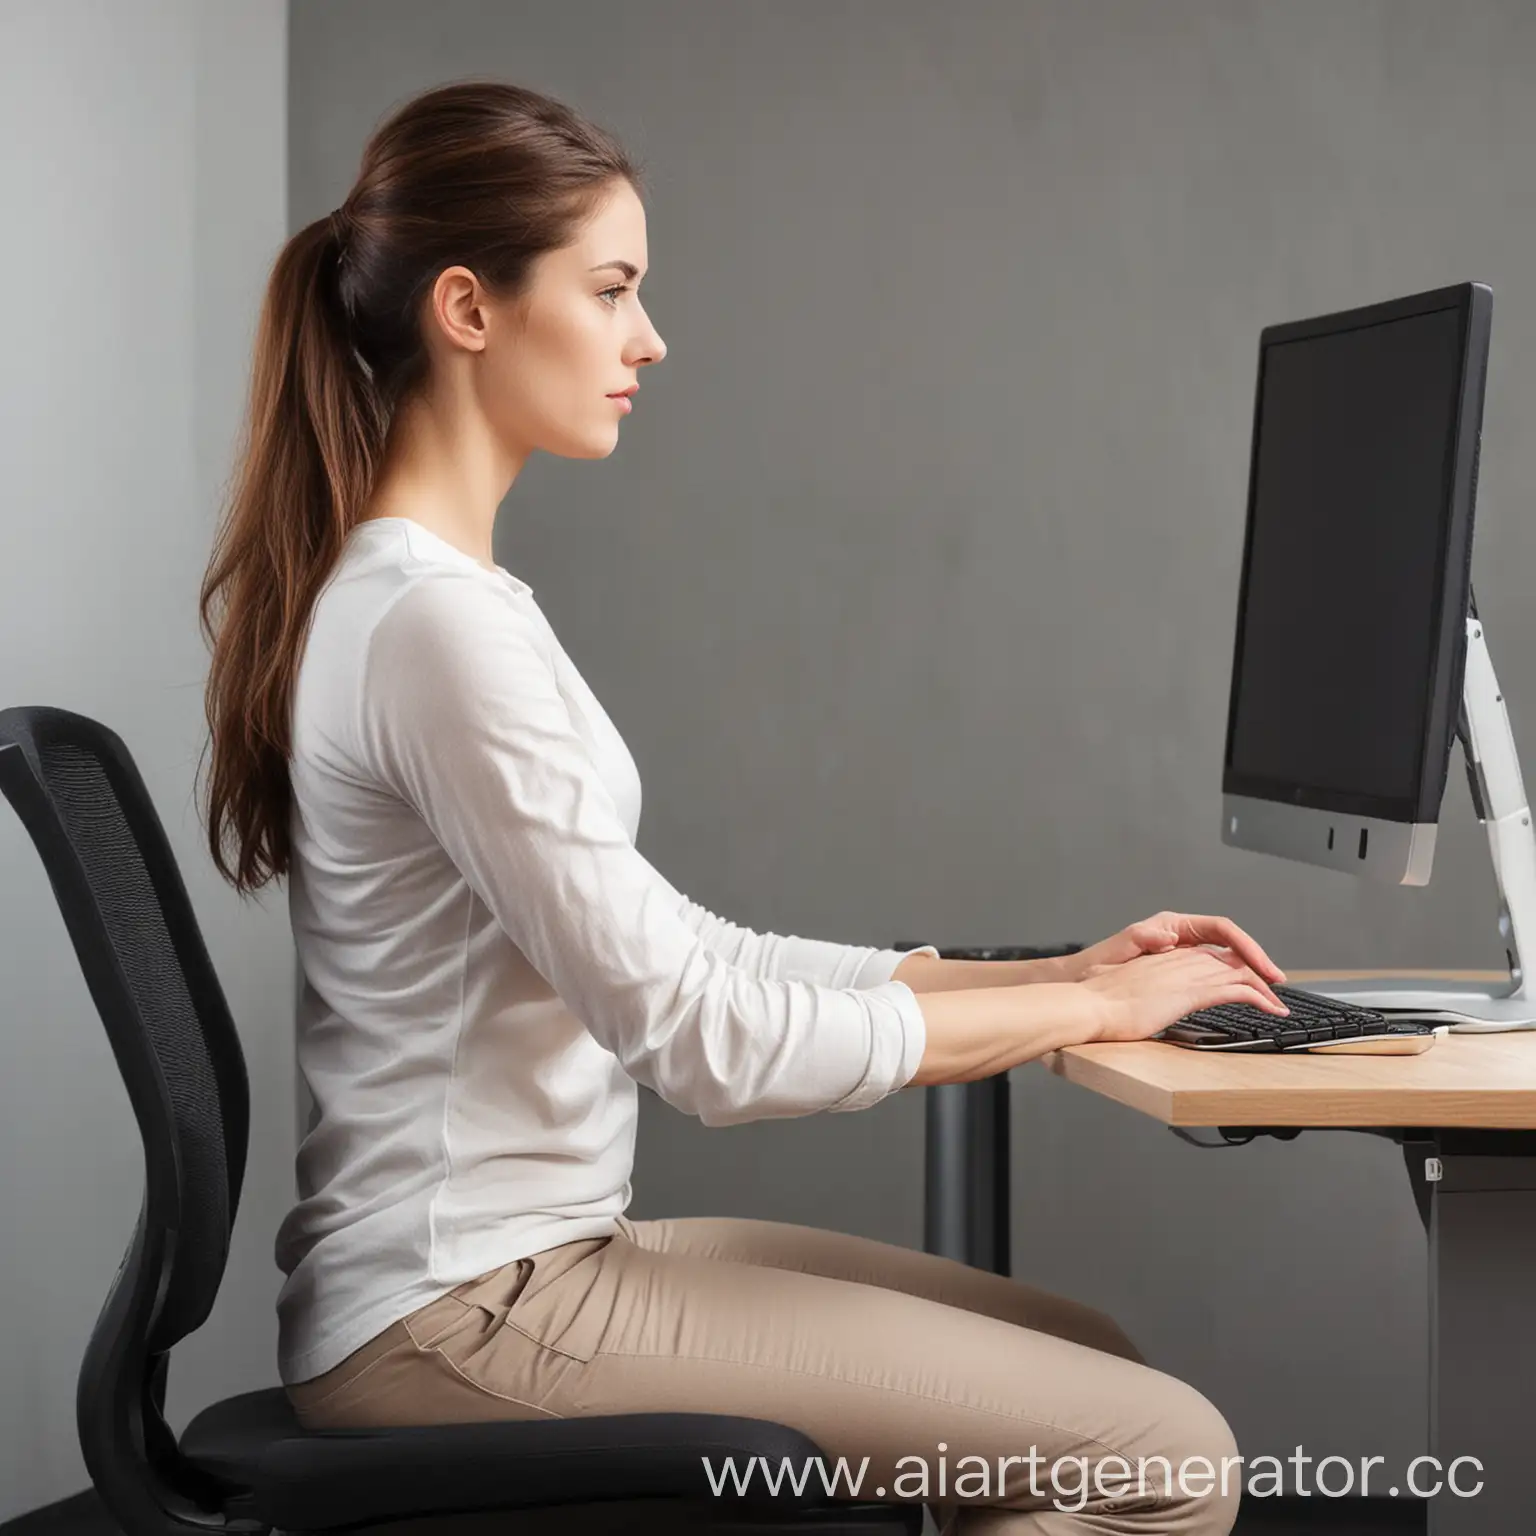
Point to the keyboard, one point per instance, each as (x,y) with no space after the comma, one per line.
(1314,1024)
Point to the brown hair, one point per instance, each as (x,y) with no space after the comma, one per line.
(482,174)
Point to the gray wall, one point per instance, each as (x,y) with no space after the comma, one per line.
(143,178)
(912,581)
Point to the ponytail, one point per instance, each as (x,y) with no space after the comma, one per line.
(313,438)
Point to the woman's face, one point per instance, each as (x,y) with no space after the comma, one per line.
(578,336)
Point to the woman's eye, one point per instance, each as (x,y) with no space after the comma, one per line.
(620,288)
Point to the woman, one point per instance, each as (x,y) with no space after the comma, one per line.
(490,967)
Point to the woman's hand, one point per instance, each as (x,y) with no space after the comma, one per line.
(1167,931)
(1141,996)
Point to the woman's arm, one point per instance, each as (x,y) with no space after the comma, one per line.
(982,1031)
(929,973)
(1161,933)
(788,957)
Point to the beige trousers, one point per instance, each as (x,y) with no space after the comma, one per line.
(1001,1407)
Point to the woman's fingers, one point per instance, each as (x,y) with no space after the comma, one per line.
(1239,994)
(1220,969)
(1196,928)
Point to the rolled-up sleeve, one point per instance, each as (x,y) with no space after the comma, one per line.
(462,717)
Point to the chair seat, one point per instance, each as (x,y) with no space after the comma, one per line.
(316,1480)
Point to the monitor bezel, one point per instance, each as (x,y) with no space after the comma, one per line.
(1474,303)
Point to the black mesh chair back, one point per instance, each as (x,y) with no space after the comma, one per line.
(81,798)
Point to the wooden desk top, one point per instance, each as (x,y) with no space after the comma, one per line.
(1462,1080)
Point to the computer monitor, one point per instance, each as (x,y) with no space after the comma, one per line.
(1352,610)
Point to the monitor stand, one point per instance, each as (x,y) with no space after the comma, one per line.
(1498,796)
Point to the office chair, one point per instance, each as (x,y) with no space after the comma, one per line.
(245,1465)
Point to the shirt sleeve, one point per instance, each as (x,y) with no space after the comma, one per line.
(788,957)
(461,716)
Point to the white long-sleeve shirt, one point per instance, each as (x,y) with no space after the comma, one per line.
(488,964)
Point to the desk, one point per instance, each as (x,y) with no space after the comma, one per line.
(1465,1116)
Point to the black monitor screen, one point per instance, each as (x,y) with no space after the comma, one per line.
(1342,584)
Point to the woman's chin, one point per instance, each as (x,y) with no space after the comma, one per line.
(597,444)
(605,442)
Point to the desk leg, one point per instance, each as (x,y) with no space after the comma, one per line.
(1482,1367)
(966,1154)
